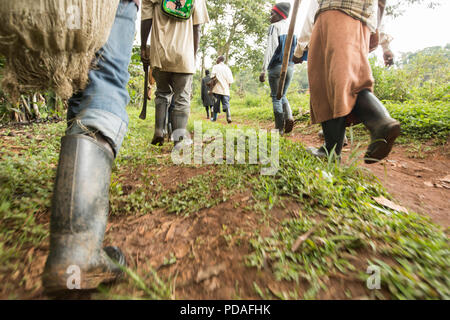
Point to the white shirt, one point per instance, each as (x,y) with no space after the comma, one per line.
(275,30)
(305,34)
(224,78)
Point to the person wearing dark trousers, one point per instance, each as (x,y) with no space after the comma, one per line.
(207,97)
(221,90)
(173,47)
(340,78)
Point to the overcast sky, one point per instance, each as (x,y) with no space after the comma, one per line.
(419,27)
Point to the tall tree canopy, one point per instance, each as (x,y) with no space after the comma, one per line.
(237,31)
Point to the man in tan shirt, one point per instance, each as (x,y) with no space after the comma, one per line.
(221,90)
(173,47)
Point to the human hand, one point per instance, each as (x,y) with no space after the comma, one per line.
(262,77)
(297,60)
(388,57)
(374,40)
(145,56)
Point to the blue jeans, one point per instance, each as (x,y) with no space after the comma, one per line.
(274,79)
(225,102)
(100,107)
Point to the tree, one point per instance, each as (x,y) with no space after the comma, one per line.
(237,31)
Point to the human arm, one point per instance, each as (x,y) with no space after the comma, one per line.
(272,44)
(146,26)
(306,31)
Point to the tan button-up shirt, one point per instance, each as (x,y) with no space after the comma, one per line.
(172,40)
(224,78)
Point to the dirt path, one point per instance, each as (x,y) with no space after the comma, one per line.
(203,254)
(418,181)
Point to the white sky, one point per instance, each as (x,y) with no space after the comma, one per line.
(419,27)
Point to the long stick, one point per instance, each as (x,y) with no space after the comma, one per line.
(143,114)
(287,49)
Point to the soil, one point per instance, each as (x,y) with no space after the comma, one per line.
(417,180)
(210,246)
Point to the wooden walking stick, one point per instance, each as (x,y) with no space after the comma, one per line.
(287,49)
(143,114)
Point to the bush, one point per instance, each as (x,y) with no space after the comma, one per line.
(422,120)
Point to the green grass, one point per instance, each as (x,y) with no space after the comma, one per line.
(336,204)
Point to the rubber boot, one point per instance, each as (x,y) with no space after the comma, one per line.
(179,122)
(207,112)
(79,213)
(320,134)
(288,118)
(383,129)
(228,115)
(334,133)
(160,120)
(279,122)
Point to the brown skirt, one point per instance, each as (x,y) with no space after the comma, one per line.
(338,65)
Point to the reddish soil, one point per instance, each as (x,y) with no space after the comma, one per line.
(416,180)
(210,246)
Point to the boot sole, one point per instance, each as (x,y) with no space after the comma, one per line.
(383,148)
(158,141)
(289,125)
(57,287)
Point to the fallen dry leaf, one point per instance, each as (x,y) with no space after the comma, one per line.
(389,204)
(445,179)
(301,239)
(210,272)
(171,232)
(428,183)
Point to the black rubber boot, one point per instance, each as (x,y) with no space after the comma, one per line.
(179,123)
(228,115)
(78,218)
(383,129)
(288,118)
(207,112)
(320,134)
(279,122)
(334,133)
(160,120)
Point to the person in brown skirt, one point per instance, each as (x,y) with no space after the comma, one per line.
(340,78)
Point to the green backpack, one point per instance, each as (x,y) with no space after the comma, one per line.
(180,9)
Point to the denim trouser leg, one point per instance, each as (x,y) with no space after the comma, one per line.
(274,79)
(101,105)
(225,100)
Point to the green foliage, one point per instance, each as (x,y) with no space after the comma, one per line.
(422,120)
(422,75)
(237,30)
(339,220)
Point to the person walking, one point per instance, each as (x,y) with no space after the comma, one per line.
(207,97)
(173,48)
(273,60)
(97,123)
(224,78)
(340,78)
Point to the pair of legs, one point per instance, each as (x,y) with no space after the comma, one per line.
(209,111)
(97,123)
(176,86)
(284,121)
(225,100)
(371,112)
